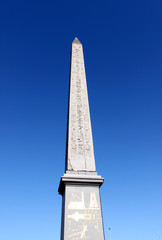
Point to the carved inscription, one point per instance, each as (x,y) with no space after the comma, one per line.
(80,144)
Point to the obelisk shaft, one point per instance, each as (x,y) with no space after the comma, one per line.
(80,153)
(80,185)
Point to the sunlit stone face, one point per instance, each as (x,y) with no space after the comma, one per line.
(80,143)
(80,185)
(83,219)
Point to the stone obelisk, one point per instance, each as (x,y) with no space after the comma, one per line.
(80,185)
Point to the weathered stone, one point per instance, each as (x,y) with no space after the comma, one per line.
(80,154)
(80,185)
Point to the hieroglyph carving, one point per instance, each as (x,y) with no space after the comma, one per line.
(80,143)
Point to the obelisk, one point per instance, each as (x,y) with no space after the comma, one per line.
(80,185)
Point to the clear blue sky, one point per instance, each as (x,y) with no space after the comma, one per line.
(123,55)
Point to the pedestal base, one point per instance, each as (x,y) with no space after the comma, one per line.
(81,207)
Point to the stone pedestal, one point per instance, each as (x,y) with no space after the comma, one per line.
(81,207)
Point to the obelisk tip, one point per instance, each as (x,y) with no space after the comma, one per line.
(76,41)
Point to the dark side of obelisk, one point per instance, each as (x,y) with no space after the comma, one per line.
(80,184)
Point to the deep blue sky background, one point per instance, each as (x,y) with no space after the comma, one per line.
(122,43)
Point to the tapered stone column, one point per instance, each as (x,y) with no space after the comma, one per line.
(80,185)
